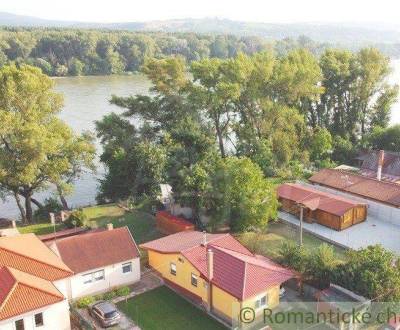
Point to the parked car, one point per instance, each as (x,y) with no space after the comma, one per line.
(105,312)
(393,324)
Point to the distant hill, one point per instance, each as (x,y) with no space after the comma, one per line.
(321,32)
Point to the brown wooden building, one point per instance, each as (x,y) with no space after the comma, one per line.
(326,209)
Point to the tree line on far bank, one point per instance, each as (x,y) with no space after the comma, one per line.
(74,52)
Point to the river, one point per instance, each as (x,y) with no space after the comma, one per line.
(86,99)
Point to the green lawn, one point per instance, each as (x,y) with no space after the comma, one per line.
(163,309)
(39,228)
(270,243)
(141,224)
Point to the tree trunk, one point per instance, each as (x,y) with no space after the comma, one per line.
(62,198)
(28,207)
(220,140)
(37,203)
(20,207)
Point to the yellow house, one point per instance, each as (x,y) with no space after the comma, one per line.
(217,272)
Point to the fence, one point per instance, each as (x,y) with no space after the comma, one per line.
(78,321)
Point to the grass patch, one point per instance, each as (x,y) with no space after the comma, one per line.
(269,244)
(40,228)
(142,225)
(163,309)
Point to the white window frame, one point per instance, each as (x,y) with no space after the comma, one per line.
(259,302)
(194,277)
(172,268)
(125,265)
(23,323)
(93,277)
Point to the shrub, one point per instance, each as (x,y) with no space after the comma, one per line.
(50,204)
(109,295)
(76,219)
(85,301)
(99,297)
(123,291)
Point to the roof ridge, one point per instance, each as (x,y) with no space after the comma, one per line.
(360,176)
(42,290)
(226,248)
(12,289)
(244,280)
(39,261)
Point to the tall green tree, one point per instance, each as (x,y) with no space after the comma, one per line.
(36,148)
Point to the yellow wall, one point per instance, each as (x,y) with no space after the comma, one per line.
(223,302)
(230,306)
(161,263)
(273,299)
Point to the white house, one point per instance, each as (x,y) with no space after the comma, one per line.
(29,299)
(36,282)
(100,260)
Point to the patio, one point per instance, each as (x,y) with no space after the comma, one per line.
(372,231)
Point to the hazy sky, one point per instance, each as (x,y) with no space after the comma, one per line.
(248,10)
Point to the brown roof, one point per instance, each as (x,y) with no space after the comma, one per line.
(28,254)
(62,234)
(381,191)
(390,168)
(96,249)
(330,203)
(21,292)
(236,270)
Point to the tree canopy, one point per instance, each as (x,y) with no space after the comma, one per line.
(36,147)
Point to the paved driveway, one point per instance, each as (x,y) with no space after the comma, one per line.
(370,232)
(125,323)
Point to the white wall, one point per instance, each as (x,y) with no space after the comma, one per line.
(113,277)
(54,317)
(375,209)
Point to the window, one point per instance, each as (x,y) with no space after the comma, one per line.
(39,319)
(194,280)
(93,277)
(127,268)
(98,276)
(173,268)
(87,278)
(261,302)
(19,325)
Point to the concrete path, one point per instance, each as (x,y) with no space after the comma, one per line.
(370,232)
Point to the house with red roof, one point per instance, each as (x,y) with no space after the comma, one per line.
(33,282)
(217,272)
(100,259)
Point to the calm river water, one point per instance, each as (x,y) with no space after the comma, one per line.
(86,100)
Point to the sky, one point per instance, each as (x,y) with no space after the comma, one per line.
(272,11)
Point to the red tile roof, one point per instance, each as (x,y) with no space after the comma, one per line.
(323,201)
(381,191)
(62,234)
(236,270)
(94,250)
(28,254)
(21,292)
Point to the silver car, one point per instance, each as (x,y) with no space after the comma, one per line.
(105,312)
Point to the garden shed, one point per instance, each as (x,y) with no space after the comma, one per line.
(323,208)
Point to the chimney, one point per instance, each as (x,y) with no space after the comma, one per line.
(210,264)
(110,226)
(381,157)
(52,218)
(204,238)
(210,274)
